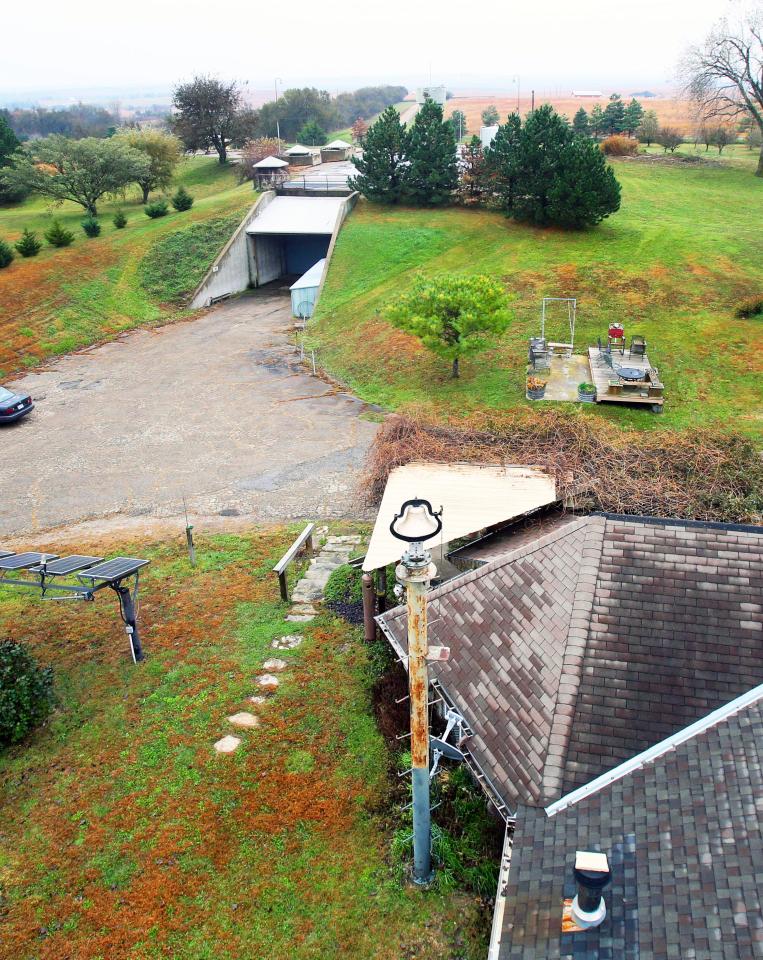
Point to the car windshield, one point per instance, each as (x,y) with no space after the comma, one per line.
(5,394)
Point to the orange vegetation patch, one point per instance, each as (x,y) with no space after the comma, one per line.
(670,112)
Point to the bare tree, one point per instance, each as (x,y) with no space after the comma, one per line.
(725,75)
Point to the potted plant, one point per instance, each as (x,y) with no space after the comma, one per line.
(586,393)
(536,388)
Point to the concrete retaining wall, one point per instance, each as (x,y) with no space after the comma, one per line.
(232,270)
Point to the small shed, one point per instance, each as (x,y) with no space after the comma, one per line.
(304,292)
(336,150)
(269,171)
(300,156)
(487,135)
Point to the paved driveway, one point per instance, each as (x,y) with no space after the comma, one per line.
(216,409)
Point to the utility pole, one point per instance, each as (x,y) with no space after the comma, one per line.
(415,524)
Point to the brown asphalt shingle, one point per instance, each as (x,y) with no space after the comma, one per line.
(594,641)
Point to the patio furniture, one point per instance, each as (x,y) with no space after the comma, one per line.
(637,347)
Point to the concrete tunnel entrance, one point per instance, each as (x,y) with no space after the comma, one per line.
(278,255)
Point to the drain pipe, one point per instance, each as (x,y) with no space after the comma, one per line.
(592,875)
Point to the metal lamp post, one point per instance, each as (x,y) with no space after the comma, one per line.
(515,79)
(416,523)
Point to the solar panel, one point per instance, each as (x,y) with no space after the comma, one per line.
(5,553)
(21,561)
(115,569)
(68,565)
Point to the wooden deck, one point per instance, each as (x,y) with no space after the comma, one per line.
(647,391)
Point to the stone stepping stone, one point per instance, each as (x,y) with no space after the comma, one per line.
(244,719)
(228,744)
(275,665)
(300,617)
(267,680)
(289,642)
(258,699)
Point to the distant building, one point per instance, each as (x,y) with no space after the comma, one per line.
(439,94)
(592,94)
(487,135)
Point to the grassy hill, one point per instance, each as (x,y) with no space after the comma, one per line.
(673,264)
(125,836)
(68,298)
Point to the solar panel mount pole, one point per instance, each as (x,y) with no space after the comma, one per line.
(127,606)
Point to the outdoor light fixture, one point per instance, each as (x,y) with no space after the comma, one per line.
(415,524)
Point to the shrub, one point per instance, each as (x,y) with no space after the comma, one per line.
(752,307)
(28,245)
(120,220)
(587,387)
(156,209)
(26,692)
(6,254)
(618,146)
(58,236)
(91,226)
(182,200)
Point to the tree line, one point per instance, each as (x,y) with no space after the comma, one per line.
(538,170)
(77,121)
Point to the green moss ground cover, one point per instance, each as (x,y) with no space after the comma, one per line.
(673,264)
(125,836)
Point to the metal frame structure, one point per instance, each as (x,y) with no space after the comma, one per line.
(572,309)
(79,577)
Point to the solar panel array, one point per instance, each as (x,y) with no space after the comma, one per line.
(94,568)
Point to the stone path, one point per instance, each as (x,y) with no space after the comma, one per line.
(308,591)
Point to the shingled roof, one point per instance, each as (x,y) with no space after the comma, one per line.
(594,641)
(683,833)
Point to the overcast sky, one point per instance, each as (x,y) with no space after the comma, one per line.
(91,45)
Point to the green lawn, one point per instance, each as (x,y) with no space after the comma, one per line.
(672,264)
(67,298)
(125,837)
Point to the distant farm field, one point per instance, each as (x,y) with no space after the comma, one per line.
(67,298)
(670,112)
(673,265)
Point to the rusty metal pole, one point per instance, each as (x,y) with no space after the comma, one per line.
(415,573)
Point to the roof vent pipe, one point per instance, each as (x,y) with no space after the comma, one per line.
(592,875)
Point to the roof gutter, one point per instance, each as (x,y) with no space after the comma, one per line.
(658,750)
(496,931)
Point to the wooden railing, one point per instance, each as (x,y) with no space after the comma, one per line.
(304,540)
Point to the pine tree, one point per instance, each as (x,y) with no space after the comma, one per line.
(182,199)
(580,123)
(432,172)
(6,255)
(58,236)
(312,134)
(28,245)
(502,157)
(585,189)
(596,122)
(550,175)
(633,115)
(475,178)
(381,169)
(9,143)
(614,115)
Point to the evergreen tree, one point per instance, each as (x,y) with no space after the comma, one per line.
(580,122)
(28,245)
(58,236)
(312,134)
(614,115)
(502,157)
(431,175)
(585,189)
(634,113)
(9,143)
(381,169)
(550,175)
(181,199)
(120,220)
(474,181)
(596,122)
(6,255)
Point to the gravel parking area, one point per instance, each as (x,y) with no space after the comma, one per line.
(216,409)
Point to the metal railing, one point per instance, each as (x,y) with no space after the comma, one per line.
(305,539)
(315,184)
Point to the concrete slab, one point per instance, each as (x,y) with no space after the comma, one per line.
(565,375)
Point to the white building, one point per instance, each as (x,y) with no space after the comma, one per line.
(437,93)
(487,135)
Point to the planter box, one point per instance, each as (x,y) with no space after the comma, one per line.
(586,397)
(535,394)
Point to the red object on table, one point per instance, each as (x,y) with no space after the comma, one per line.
(616,331)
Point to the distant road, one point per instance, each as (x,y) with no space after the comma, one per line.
(407,115)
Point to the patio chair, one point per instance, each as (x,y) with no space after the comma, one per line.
(637,347)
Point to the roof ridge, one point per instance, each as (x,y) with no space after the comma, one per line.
(653,753)
(574,654)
